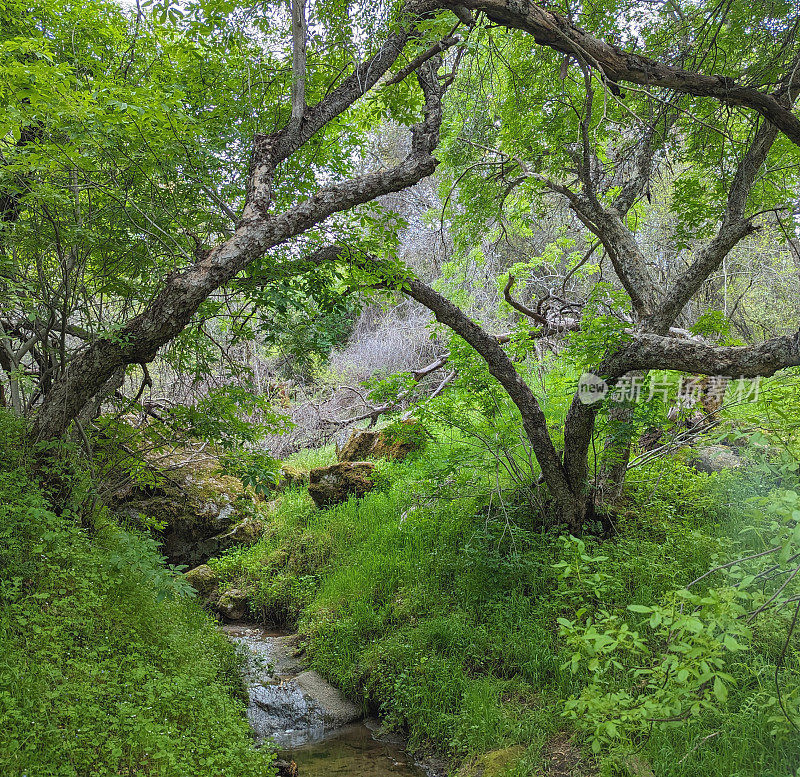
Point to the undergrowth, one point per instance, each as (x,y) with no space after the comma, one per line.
(436,600)
(109,666)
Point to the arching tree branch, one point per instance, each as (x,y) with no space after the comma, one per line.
(258,231)
(654,352)
(555,31)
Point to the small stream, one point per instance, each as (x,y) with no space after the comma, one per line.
(307,719)
(353,750)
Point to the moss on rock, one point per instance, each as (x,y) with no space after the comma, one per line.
(335,484)
(291,477)
(233,604)
(197,511)
(203,579)
(394,442)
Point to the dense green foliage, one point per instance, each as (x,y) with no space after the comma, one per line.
(124,147)
(437,599)
(451,600)
(109,666)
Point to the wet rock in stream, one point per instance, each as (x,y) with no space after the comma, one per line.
(309,720)
(286,704)
(285,768)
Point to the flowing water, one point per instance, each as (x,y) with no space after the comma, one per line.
(353,751)
(316,738)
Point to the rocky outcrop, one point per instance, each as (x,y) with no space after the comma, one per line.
(291,477)
(205,581)
(195,511)
(358,446)
(337,483)
(231,604)
(393,443)
(246,532)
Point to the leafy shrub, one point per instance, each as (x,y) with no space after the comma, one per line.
(230,417)
(256,469)
(109,666)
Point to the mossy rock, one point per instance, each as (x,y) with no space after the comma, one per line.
(291,477)
(246,532)
(359,446)
(399,439)
(204,580)
(493,764)
(335,484)
(394,442)
(206,485)
(233,604)
(196,511)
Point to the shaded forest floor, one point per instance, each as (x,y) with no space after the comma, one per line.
(439,600)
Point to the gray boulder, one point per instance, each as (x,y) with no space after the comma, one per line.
(337,711)
(715,458)
(375,444)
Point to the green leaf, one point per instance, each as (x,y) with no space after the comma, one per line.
(731,643)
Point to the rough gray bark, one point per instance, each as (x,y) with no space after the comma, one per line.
(571,496)
(259,230)
(92,408)
(650,351)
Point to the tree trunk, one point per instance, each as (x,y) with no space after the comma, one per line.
(138,341)
(565,480)
(575,511)
(616,455)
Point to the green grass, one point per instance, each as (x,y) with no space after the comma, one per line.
(435,600)
(107,665)
(437,605)
(314,457)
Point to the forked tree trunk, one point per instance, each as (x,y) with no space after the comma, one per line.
(565,476)
(138,341)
